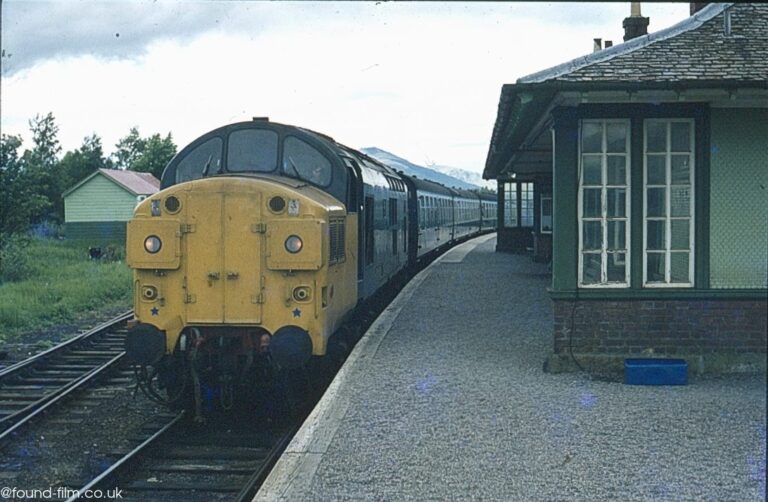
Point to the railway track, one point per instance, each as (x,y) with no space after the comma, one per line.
(30,387)
(225,459)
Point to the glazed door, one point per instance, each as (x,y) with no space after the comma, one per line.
(242,271)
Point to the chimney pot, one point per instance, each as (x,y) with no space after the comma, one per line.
(598,45)
(697,6)
(635,25)
(608,43)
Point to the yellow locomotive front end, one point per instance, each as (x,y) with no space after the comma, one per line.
(231,270)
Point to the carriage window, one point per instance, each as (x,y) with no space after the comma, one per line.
(304,162)
(206,158)
(252,150)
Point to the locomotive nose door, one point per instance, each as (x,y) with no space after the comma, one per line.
(241,275)
(223,258)
(203,258)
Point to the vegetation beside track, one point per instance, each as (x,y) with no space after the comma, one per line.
(55,282)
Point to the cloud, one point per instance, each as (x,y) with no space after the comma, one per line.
(419,79)
(37,31)
(34,31)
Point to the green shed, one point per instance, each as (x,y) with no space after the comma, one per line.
(98,207)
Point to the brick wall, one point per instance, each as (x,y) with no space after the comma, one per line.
(668,327)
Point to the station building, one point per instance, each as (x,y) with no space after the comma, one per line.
(641,171)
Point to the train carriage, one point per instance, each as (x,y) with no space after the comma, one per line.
(466,213)
(489,206)
(431,216)
(262,242)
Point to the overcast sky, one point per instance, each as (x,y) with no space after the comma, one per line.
(421,80)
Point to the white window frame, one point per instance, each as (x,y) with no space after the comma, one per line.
(668,205)
(510,217)
(604,206)
(527,209)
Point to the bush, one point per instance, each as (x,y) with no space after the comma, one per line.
(14,261)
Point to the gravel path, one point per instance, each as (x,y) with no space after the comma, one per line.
(454,405)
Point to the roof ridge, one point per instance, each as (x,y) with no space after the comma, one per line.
(690,23)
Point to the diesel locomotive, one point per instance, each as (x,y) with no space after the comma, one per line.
(262,241)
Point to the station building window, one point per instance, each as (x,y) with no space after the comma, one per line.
(668,166)
(510,204)
(604,203)
(518,204)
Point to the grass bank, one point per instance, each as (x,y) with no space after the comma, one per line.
(60,285)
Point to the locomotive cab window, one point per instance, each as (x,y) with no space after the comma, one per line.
(201,161)
(302,161)
(252,150)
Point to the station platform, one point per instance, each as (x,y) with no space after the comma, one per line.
(444,398)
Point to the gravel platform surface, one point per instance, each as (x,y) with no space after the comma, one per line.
(454,405)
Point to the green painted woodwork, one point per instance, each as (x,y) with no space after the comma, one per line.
(565,189)
(99,200)
(565,186)
(96,233)
(739,198)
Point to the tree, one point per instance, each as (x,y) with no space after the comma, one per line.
(147,155)
(19,200)
(157,153)
(129,148)
(79,163)
(41,164)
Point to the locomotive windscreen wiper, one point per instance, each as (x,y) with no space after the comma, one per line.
(293,165)
(207,165)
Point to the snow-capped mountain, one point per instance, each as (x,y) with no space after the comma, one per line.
(470,177)
(448,176)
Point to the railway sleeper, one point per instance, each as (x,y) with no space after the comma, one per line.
(201,468)
(58,373)
(92,353)
(205,453)
(197,487)
(13,396)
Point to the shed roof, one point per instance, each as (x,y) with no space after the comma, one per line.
(136,183)
(695,53)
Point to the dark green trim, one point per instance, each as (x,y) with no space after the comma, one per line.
(702,199)
(660,294)
(565,190)
(96,232)
(636,201)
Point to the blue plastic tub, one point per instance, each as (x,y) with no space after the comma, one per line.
(655,372)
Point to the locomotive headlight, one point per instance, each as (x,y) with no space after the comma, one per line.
(152,244)
(293,244)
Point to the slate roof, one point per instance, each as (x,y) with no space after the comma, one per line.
(695,53)
(136,183)
(694,49)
